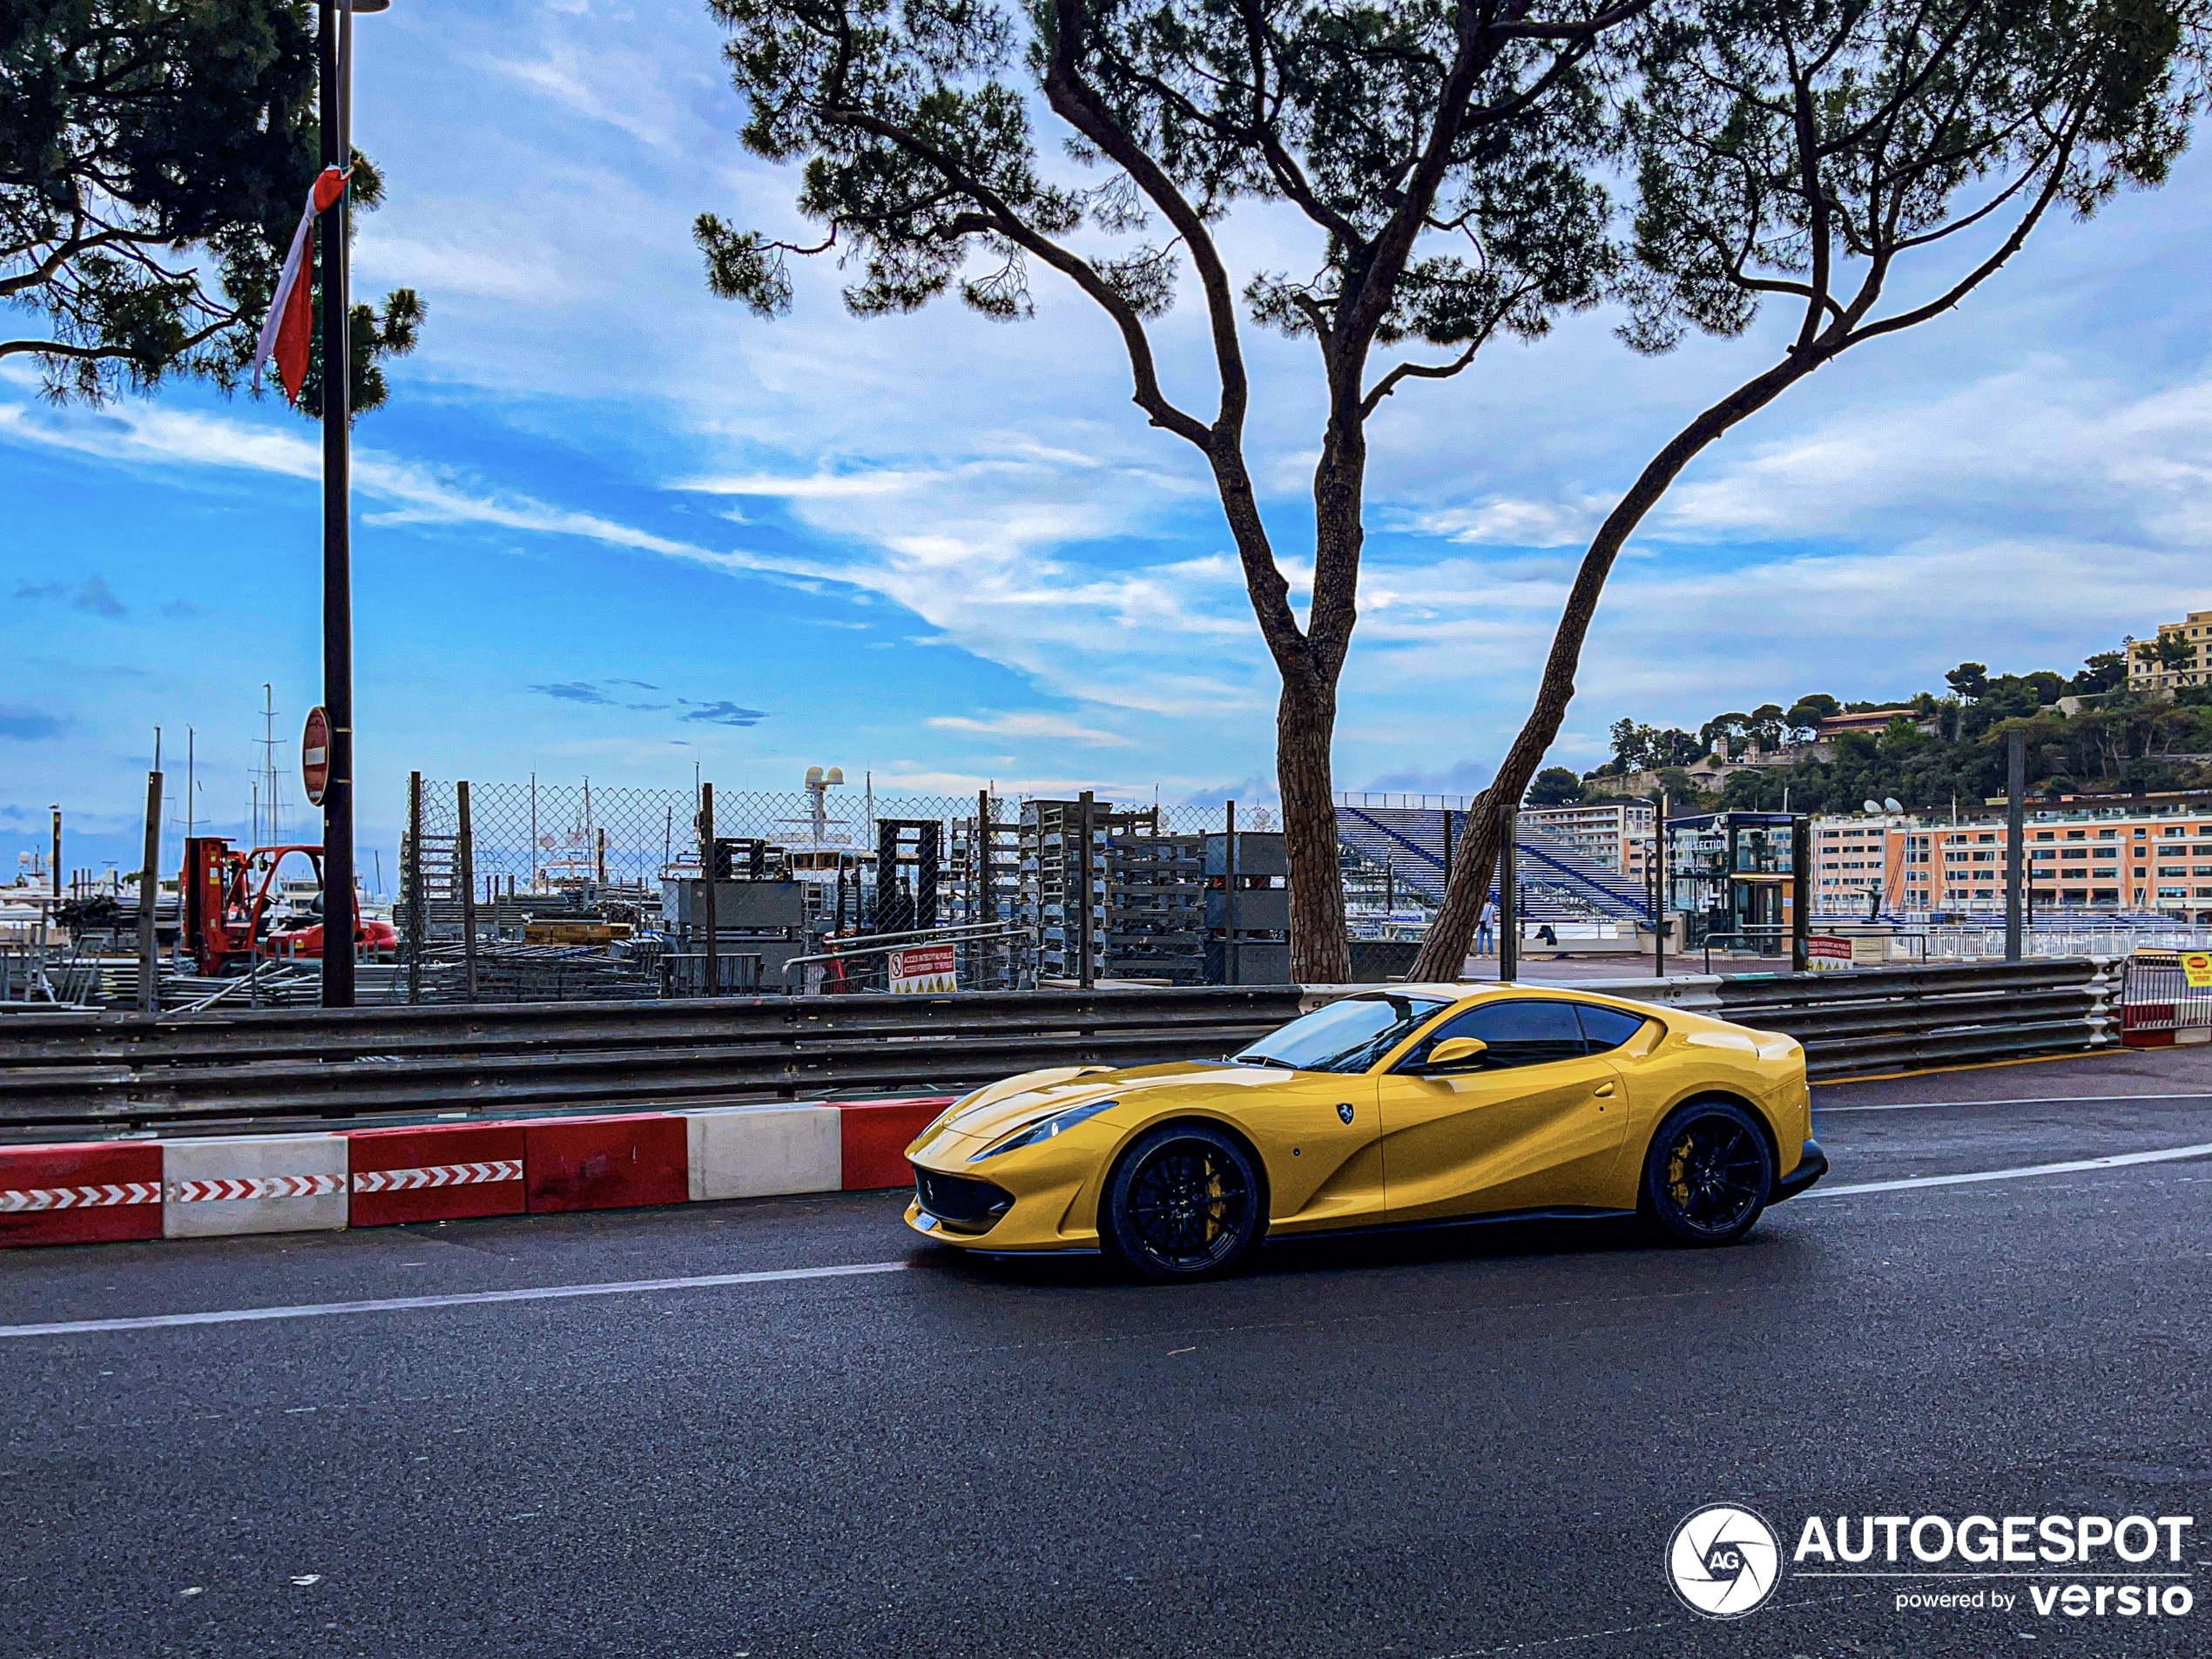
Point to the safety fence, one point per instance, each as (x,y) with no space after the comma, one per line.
(108,1073)
(2168,999)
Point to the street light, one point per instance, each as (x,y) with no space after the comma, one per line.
(334,109)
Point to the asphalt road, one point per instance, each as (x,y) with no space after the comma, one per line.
(1472,1444)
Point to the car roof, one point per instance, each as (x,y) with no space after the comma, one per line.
(1467,993)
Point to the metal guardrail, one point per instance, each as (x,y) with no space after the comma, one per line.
(105,1073)
(1899,1019)
(118,1071)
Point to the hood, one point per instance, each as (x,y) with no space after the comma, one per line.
(993,1110)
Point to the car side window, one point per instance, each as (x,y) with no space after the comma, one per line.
(1518,1033)
(1606,1028)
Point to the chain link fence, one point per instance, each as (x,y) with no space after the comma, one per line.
(542,889)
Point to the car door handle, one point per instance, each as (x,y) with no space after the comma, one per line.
(1604,1091)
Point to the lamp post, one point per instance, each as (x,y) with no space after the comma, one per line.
(334,110)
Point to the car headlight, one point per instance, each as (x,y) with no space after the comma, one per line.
(1043,1129)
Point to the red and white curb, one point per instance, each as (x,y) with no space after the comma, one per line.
(105,1192)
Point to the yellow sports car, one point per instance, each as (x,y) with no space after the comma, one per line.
(1412,1104)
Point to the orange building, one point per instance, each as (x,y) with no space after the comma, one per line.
(2154,857)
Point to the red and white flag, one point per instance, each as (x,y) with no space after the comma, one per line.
(285,331)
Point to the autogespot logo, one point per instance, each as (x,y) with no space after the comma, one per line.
(1724,1560)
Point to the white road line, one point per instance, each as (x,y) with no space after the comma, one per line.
(2025,1100)
(2165,1155)
(400,1304)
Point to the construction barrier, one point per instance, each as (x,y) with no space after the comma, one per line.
(2168,999)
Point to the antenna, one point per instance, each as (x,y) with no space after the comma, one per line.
(1890,804)
(270,815)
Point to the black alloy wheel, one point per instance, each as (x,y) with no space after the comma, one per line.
(1709,1174)
(1183,1203)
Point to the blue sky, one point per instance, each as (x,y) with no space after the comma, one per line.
(610,526)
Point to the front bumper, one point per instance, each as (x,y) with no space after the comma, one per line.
(1813,1164)
(960,1204)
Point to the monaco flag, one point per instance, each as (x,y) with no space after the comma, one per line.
(285,330)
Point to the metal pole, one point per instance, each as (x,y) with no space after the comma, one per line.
(1229,965)
(712,961)
(1659,896)
(1508,904)
(985,909)
(2015,839)
(149,888)
(338,922)
(1085,977)
(465,858)
(1800,894)
(413,877)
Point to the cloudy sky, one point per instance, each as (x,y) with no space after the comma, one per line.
(610,526)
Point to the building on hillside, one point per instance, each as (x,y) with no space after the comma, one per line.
(2146,673)
(1876,721)
(2154,855)
(1617,835)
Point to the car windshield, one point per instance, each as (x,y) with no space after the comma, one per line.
(1350,1035)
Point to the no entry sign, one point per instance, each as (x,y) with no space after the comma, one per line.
(314,755)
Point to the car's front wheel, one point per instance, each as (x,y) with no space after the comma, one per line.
(1183,1203)
(1709,1174)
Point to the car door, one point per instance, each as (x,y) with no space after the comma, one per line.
(1535,1124)
(1318,1133)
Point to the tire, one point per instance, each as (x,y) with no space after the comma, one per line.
(1185,1203)
(1708,1176)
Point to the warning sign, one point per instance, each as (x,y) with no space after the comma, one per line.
(924,968)
(1824,952)
(2196,967)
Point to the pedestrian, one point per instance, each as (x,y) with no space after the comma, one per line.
(1485,929)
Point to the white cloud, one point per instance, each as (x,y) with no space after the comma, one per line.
(1030,726)
(143,435)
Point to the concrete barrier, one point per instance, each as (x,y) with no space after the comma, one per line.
(252,1183)
(618,1162)
(445,1172)
(763,1151)
(91,1192)
(874,1137)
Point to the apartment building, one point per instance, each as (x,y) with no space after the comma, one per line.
(2146,673)
(1617,836)
(2158,857)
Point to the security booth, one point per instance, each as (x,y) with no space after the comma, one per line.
(1732,877)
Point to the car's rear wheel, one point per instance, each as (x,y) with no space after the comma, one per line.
(1709,1174)
(1183,1203)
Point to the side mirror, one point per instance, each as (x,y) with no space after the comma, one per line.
(1456,1054)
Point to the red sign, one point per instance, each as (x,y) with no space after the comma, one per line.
(314,755)
(924,970)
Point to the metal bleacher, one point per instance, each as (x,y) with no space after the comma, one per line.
(1556,882)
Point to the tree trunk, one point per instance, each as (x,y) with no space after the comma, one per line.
(1305,724)
(1443,951)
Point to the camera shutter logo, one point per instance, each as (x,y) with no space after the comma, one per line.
(1724,1560)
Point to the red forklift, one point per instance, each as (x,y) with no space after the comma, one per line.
(235,914)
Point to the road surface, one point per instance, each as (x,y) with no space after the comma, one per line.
(1476,1443)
